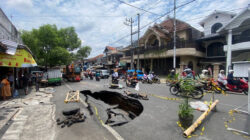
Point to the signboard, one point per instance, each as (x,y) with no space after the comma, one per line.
(22,58)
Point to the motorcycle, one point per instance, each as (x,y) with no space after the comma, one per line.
(175,89)
(156,79)
(91,76)
(115,80)
(233,88)
(131,82)
(146,80)
(211,85)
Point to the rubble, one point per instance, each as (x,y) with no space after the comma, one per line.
(142,96)
(71,119)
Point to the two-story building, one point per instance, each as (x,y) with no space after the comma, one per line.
(237,32)
(213,42)
(112,55)
(156,48)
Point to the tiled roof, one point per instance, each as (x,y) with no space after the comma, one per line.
(110,48)
(169,25)
(96,57)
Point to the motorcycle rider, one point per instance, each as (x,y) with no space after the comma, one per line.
(204,75)
(231,80)
(222,78)
(150,76)
(115,77)
(145,76)
(189,73)
(172,74)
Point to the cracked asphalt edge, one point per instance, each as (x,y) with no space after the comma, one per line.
(110,129)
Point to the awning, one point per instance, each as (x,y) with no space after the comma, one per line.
(22,58)
(11,46)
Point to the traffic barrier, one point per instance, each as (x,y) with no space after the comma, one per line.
(199,120)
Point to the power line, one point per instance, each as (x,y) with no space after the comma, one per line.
(170,12)
(155,20)
(137,7)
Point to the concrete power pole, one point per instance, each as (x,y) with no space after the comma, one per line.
(138,61)
(129,22)
(174,57)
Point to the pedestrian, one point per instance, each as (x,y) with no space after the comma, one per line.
(11,80)
(25,82)
(37,81)
(5,90)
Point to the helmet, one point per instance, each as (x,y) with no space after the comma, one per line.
(231,71)
(204,71)
(221,71)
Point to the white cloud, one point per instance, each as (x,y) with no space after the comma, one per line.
(100,22)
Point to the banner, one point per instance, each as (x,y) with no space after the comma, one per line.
(22,58)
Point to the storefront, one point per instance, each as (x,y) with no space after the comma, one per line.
(15,61)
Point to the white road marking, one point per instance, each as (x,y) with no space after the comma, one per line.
(110,129)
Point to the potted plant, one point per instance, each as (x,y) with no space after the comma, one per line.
(185,112)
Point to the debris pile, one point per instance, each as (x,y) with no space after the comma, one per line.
(71,117)
(142,96)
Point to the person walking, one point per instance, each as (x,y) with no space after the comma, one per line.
(5,90)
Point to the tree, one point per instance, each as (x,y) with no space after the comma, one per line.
(68,38)
(52,46)
(59,56)
(83,52)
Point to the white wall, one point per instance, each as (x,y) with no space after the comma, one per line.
(222,18)
(239,46)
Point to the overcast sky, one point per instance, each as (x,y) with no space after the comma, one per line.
(101,22)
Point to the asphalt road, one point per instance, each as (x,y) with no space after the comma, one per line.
(157,121)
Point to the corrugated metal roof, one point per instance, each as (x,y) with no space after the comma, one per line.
(11,46)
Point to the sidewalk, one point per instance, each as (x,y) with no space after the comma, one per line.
(27,117)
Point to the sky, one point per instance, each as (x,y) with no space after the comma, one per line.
(100,23)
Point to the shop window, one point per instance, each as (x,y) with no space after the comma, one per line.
(215,27)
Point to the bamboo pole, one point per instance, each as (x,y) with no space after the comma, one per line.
(199,120)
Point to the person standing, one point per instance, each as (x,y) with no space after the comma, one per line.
(5,90)
(37,81)
(25,82)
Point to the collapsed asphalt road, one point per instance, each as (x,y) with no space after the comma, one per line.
(125,109)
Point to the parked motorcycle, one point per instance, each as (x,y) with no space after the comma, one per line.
(175,89)
(156,79)
(146,80)
(233,88)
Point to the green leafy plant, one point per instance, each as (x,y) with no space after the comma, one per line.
(185,111)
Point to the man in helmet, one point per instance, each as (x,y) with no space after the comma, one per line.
(222,78)
(204,75)
(231,80)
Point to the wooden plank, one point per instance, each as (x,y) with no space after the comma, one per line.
(72,96)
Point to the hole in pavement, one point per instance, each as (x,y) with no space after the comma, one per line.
(2,117)
(125,109)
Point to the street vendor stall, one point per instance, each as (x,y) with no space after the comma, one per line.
(15,61)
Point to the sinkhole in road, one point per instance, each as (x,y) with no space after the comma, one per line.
(125,110)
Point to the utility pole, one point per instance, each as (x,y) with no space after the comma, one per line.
(138,61)
(174,57)
(129,22)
